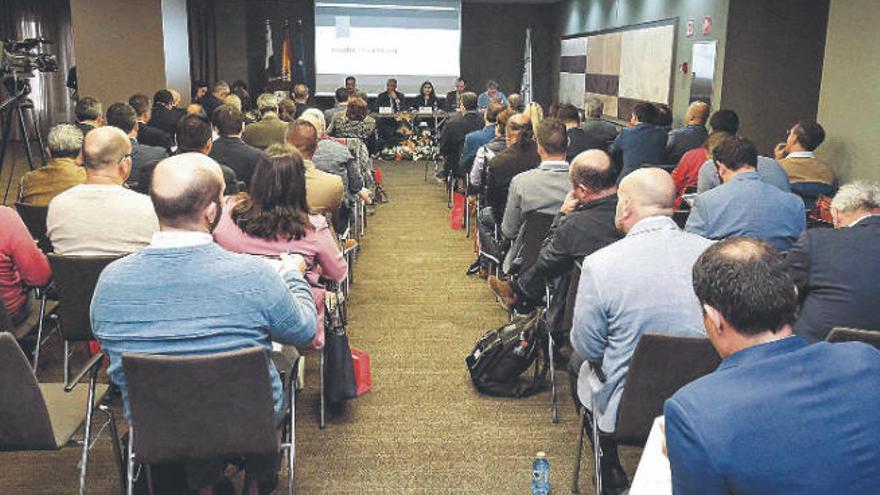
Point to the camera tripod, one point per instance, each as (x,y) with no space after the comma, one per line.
(16,107)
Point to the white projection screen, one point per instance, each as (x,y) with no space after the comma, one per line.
(373,40)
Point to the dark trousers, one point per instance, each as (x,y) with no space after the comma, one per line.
(486,231)
(21,314)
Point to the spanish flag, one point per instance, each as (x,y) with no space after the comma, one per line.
(286,56)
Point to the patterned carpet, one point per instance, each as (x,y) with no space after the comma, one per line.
(423,428)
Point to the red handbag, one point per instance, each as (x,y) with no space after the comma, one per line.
(456,219)
(362,377)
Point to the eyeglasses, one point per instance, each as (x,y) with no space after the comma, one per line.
(127,155)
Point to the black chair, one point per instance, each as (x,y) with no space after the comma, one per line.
(46,416)
(34,218)
(220,406)
(76,277)
(34,320)
(660,365)
(680,217)
(840,334)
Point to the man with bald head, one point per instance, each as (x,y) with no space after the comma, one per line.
(641,283)
(100,217)
(183,295)
(692,135)
(584,224)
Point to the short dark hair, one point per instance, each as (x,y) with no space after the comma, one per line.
(163,96)
(350,78)
(748,282)
(645,112)
(87,108)
(341,95)
(186,206)
(664,115)
(492,84)
(303,136)
(568,113)
(492,111)
(122,116)
(725,121)
(193,132)
(736,152)
(809,133)
(228,120)
(140,103)
(552,136)
(468,100)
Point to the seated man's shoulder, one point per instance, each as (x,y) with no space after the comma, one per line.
(860,359)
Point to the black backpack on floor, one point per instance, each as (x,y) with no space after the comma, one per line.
(503,354)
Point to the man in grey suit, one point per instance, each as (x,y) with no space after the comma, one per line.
(746,205)
(341,104)
(600,133)
(639,284)
(124,117)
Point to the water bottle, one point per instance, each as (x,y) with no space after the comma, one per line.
(541,475)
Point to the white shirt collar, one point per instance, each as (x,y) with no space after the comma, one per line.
(801,154)
(862,218)
(179,239)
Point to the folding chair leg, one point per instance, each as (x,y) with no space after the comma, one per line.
(66,362)
(575,479)
(554,413)
(117,448)
(87,435)
(321,382)
(291,450)
(129,463)
(40,331)
(597,450)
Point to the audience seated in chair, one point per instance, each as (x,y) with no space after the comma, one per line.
(643,142)
(837,270)
(686,174)
(22,265)
(89,114)
(147,134)
(600,133)
(691,136)
(639,284)
(324,191)
(476,139)
(39,186)
(486,153)
(746,205)
(101,217)
(185,295)
(354,122)
(341,103)
(270,129)
(211,101)
(273,218)
(778,415)
(123,117)
(229,149)
(165,113)
(332,156)
(455,131)
(809,176)
(584,224)
(194,136)
(577,138)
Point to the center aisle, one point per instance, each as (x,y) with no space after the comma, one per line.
(423,428)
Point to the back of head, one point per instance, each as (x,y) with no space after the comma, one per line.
(122,116)
(535,113)
(809,134)
(64,141)
(104,147)
(468,100)
(515,101)
(182,187)
(650,190)
(300,91)
(140,103)
(228,120)
(492,111)
(267,102)
(646,113)
(698,112)
(519,130)
(492,84)
(592,169)
(736,152)
(233,100)
(568,113)
(341,95)
(856,196)
(316,118)
(303,136)
(503,117)
(594,107)
(664,115)
(357,108)
(196,109)
(747,281)
(725,121)
(286,109)
(552,136)
(193,133)
(163,96)
(221,89)
(88,108)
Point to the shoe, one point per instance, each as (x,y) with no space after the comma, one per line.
(349,244)
(484,273)
(614,479)
(474,268)
(504,292)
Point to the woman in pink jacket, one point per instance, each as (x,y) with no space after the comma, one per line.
(273,218)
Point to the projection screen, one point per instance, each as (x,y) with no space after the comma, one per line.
(373,40)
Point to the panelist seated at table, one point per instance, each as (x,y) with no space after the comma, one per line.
(391,98)
(426,98)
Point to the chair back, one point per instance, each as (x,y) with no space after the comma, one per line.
(24,418)
(570,297)
(680,217)
(76,277)
(192,408)
(661,364)
(840,334)
(34,218)
(535,228)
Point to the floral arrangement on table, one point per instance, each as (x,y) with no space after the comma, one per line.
(416,143)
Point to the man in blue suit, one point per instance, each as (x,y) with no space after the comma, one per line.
(746,205)
(778,416)
(642,143)
(474,140)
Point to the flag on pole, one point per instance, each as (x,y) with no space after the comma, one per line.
(300,62)
(269,52)
(526,89)
(286,55)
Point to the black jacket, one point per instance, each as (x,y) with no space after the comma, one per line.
(452,101)
(238,155)
(452,136)
(210,103)
(383,100)
(837,273)
(577,143)
(166,120)
(503,168)
(419,101)
(153,136)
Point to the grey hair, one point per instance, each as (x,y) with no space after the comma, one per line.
(858,195)
(594,107)
(267,101)
(64,140)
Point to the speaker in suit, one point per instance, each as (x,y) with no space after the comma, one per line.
(396,102)
(238,155)
(837,273)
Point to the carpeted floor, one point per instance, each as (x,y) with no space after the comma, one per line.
(423,428)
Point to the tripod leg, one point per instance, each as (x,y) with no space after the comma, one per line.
(7,128)
(24,136)
(36,120)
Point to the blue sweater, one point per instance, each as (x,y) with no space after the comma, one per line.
(198,300)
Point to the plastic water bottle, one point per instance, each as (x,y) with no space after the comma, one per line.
(541,474)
